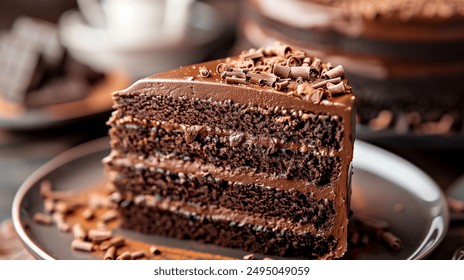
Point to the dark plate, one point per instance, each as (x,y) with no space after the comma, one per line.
(381,182)
(97,102)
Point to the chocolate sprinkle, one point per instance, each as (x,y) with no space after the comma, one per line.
(288,70)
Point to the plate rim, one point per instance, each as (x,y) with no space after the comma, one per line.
(97,145)
(425,249)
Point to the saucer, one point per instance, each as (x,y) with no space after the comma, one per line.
(93,45)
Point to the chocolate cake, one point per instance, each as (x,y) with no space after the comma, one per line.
(402,57)
(250,152)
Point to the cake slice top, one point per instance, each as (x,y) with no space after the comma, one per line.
(278,75)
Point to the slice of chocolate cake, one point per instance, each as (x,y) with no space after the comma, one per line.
(250,152)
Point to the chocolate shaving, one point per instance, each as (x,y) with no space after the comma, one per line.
(316,96)
(110,253)
(81,245)
(88,213)
(300,71)
(137,255)
(249,257)
(281,49)
(233,80)
(315,67)
(293,61)
(124,256)
(393,241)
(49,205)
(324,82)
(99,235)
(306,62)
(257,81)
(45,188)
(79,232)
(42,218)
(281,71)
(337,72)
(336,89)
(204,72)
(221,68)
(268,78)
(154,250)
(281,85)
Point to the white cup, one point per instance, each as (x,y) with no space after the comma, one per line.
(139,22)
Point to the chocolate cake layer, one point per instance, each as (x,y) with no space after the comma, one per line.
(206,190)
(228,228)
(299,126)
(319,168)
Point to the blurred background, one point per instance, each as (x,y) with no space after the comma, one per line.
(61,59)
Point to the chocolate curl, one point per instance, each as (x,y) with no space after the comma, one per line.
(281,71)
(306,62)
(336,89)
(249,257)
(393,241)
(300,71)
(45,188)
(316,96)
(247,64)
(116,241)
(281,49)
(221,68)
(281,85)
(256,81)
(304,89)
(49,205)
(293,61)
(99,235)
(79,232)
(42,218)
(324,82)
(154,250)
(234,80)
(110,253)
(88,213)
(80,245)
(137,255)
(124,256)
(268,78)
(336,72)
(316,66)
(61,222)
(204,72)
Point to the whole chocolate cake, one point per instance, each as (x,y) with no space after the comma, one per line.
(251,152)
(402,57)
